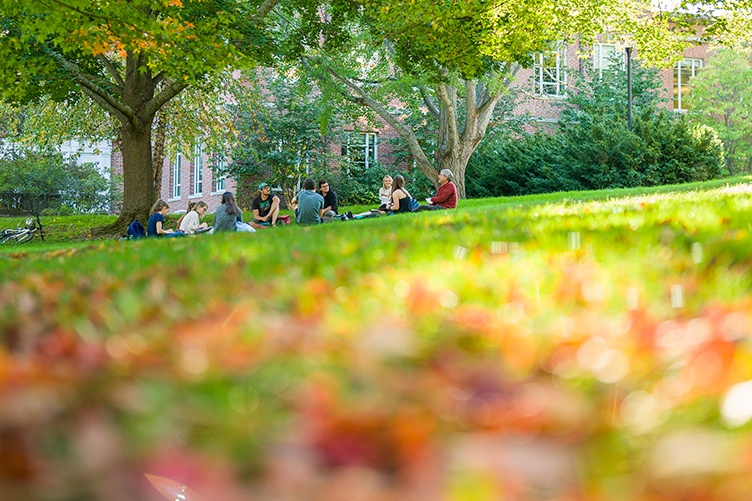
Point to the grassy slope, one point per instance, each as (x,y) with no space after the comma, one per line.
(616,321)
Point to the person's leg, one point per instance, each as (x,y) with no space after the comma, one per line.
(274,211)
(327,217)
(429,207)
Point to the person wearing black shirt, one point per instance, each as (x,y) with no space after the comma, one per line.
(331,204)
(265,207)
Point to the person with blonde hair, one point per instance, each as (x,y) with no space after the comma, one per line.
(190,222)
(385,192)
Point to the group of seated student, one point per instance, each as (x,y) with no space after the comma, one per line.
(395,198)
(315,207)
(188,224)
(310,207)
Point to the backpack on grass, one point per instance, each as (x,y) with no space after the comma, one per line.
(413,204)
(136,230)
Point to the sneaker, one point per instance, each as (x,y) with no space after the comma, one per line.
(349,215)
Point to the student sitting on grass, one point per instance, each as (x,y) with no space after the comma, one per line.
(385,199)
(308,205)
(401,199)
(265,207)
(385,193)
(227,215)
(446,196)
(155,226)
(331,203)
(189,223)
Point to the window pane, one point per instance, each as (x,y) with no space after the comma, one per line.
(683,73)
(550,73)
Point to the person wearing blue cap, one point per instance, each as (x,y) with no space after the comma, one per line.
(265,207)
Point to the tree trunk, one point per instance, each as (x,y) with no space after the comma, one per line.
(456,139)
(136,117)
(729,147)
(456,164)
(160,136)
(138,184)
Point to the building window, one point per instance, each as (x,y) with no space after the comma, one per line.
(684,71)
(198,169)
(550,72)
(605,55)
(361,148)
(219,173)
(176,169)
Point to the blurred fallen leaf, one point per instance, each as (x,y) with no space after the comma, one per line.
(174,491)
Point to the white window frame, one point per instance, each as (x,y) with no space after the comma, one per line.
(681,87)
(176,175)
(198,169)
(368,145)
(603,56)
(219,179)
(547,77)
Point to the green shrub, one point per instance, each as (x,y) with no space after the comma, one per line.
(593,147)
(37,178)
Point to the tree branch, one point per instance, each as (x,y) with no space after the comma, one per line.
(164,96)
(427,100)
(86,82)
(89,14)
(264,10)
(471,106)
(505,80)
(406,133)
(451,114)
(114,73)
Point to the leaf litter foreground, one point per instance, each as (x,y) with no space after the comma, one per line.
(569,351)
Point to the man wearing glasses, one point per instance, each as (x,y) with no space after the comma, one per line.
(331,204)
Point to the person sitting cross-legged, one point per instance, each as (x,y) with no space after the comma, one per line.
(190,223)
(385,199)
(265,206)
(155,225)
(401,198)
(308,205)
(331,203)
(446,196)
(229,217)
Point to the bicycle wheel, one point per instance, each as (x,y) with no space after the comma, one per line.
(24,237)
(16,237)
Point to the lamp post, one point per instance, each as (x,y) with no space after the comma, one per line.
(629,87)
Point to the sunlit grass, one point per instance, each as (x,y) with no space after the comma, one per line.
(594,346)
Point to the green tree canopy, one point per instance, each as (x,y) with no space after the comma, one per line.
(131,58)
(285,139)
(722,99)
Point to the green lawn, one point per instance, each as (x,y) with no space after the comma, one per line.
(580,346)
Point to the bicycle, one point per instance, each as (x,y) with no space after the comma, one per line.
(19,235)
